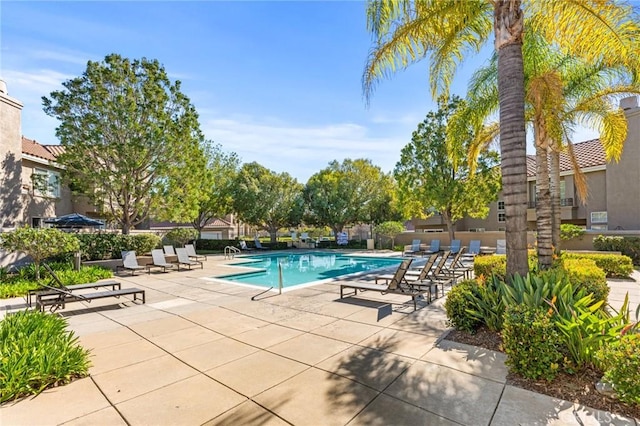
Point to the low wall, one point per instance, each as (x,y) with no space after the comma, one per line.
(489,238)
(113,263)
(585,242)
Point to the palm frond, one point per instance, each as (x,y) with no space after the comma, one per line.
(605,31)
(406,32)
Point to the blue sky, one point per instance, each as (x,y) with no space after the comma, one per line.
(276,82)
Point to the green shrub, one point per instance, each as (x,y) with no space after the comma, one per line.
(531,343)
(39,243)
(459,300)
(21,283)
(141,243)
(36,352)
(101,246)
(219,245)
(589,329)
(622,360)
(584,273)
(490,265)
(629,246)
(16,288)
(180,236)
(86,274)
(613,265)
(569,231)
(488,303)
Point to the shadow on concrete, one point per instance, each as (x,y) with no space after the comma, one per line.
(367,366)
(250,413)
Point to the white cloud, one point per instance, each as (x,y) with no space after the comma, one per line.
(29,85)
(298,150)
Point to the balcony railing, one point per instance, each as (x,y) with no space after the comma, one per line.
(564,202)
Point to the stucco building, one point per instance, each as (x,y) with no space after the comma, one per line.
(613,200)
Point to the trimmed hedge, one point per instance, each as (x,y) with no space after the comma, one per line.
(490,265)
(216,245)
(219,245)
(352,244)
(584,273)
(582,270)
(613,265)
(103,246)
(629,246)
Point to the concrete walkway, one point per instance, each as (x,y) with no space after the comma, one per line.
(201,352)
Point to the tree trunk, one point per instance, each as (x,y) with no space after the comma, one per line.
(556,213)
(450,226)
(543,203)
(126,227)
(273,235)
(508,25)
(36,263)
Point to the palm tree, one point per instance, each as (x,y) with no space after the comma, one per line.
(407,31)
(591,94)
(558,89)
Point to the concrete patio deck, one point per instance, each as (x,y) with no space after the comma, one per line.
(203,353)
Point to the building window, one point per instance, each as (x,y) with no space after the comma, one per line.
(598,217)
(502,217)
(500,205)
(46,183)
(36,222)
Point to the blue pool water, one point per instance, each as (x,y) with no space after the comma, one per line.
(298,269)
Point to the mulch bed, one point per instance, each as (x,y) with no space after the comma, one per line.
(578,388)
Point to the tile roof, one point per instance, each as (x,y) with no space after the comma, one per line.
(32,147)
(588,154)
(55,149)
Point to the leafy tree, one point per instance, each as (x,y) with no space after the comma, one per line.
(216,184)
(267,200)
(433,177)
(389,230)
(347,193)
(446,31)
(181,236)
(39,243)
(131,141)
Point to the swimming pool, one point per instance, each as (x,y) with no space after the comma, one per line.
(304,268)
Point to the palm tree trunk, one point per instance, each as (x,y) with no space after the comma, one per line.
(543,204)
(556,214)
(508,24)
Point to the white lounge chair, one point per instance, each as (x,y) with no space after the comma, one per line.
(129,262)
(191,251)
(159,261)
(501,247)
(183,259)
